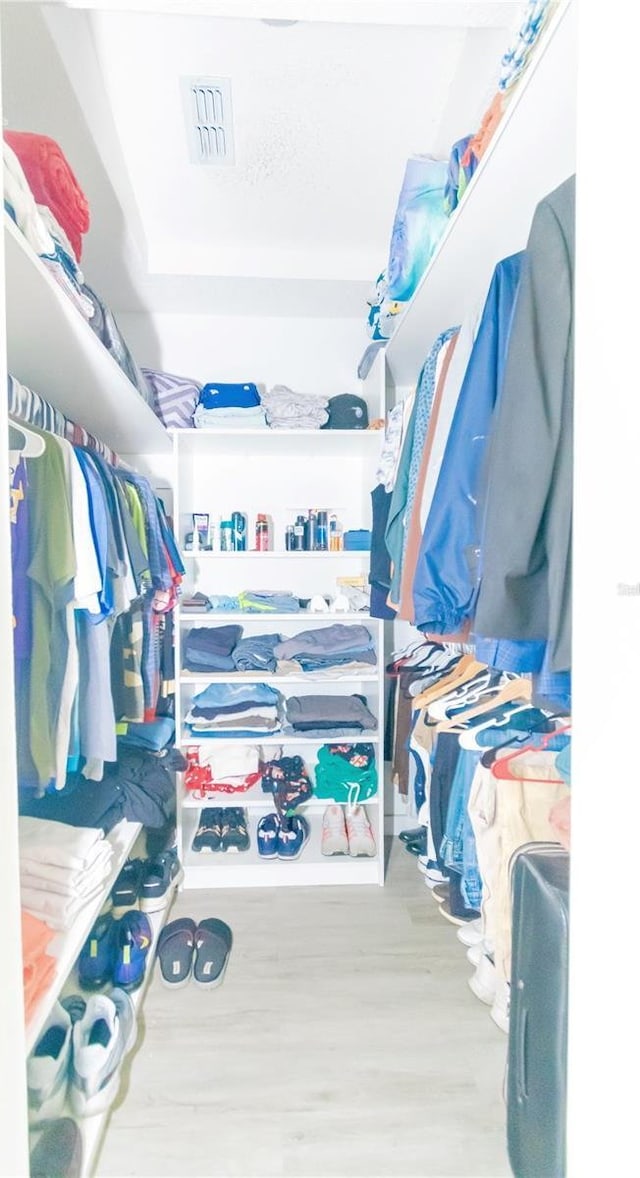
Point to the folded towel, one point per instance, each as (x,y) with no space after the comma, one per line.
(52,182)
(72,847)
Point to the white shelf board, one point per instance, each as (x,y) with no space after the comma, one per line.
(257,799)
(282,738)
(67,945)
(248,869)
(277,555)
(93,1128)
(52,349)
(292,442)
(532,151)
(274,680)
(220,618)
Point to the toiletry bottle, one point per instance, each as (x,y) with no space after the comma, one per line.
(262,534)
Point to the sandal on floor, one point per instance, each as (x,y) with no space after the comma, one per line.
(176,944)
(213,946)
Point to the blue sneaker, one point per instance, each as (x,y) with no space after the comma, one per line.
(133,938)
(95,962)
(292,837)
(267,835)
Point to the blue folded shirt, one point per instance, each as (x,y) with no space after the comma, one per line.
(224,396)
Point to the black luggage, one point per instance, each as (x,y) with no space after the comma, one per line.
(537,1060)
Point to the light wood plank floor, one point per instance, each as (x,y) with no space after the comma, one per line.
(344,1042)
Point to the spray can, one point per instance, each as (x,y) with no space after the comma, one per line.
(312,526)
(289,538)
(322,532)
(262,534)
(239,522)
(298,534)
(226,535)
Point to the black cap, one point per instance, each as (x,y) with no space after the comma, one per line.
(346,411)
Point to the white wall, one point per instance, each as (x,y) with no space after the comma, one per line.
(309,355)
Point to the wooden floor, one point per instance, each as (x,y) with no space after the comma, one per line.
(344,1041)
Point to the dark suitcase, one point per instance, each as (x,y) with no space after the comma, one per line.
(537,1059)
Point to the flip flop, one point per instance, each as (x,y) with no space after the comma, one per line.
(213,946)
(174,954)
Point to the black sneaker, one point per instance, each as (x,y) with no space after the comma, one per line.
(125,893)
(235,832)
(208,836)
(159,877)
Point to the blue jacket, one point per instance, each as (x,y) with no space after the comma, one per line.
(446,577)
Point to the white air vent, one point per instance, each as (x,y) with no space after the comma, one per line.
(207,104)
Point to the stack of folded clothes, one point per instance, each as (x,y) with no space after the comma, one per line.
(329,648)
(62,868)
(38,966)
(209,648)
(256,653)
(230,709)
(196,603)
(224,768)
(288,410)
(319,714)
(268,601)
(229,406)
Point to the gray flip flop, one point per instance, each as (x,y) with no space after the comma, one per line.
(213,946)
(174,954)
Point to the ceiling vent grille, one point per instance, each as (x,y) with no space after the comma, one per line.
(207,106)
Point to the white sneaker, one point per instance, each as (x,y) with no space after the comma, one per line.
(475,953)
(471,932)
(48,1068)
(101,1039)
(360,834)
(500,1007)
(484,981)
(334,832)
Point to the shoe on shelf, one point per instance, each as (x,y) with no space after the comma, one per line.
(160,876)
(234,835)
(95,962)
(293,836)
(472,933)
(48,1067)
(58,1151)
(101,1039)
(267,836)
(475,953)
(334,832)
(208,836)
(500,1007)
(361,841)
(125,893)
(133,939)
(484,981)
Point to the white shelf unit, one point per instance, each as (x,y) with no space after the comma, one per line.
(67,945)
(280,473)
(52,349)
(532,151)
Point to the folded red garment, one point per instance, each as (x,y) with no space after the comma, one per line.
(36,936)
(52,182)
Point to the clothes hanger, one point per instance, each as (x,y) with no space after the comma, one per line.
(464,670)
(23,442)
(482,686)
(516,689)
(502,717)
(489,755)
(500,768)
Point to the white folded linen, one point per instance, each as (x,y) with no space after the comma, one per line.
(66,883)
(72,847)
(231,760)
(96,865)
(59,912)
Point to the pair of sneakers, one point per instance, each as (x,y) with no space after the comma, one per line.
(146,884)
(283,838)
(116,952)
(347,833)
(222,828)
(78,1055)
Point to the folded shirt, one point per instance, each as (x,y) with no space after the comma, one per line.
(221,694)
(231,760)
(289,410)
(59,912)
(65,878)
(326,640)
(213,715)
(366,658)
(72,847)
(200,663)
(222,603)
(320,710)
(221,396)
(78,885)
(264,601)
(218,640)
(248,722)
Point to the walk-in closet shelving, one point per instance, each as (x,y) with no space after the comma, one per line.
(279,473)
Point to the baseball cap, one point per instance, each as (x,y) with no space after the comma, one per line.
(346,411)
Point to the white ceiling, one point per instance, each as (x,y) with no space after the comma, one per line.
(325,115)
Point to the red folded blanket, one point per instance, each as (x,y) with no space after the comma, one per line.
(52,182)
